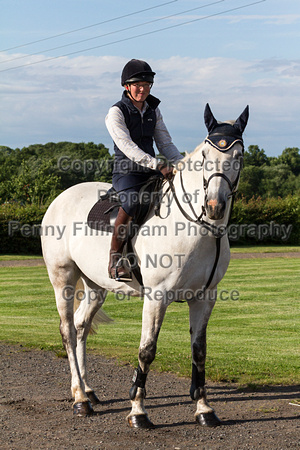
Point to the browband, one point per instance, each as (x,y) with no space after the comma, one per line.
(224,136)
(223,143)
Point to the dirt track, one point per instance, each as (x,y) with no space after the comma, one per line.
(36,409)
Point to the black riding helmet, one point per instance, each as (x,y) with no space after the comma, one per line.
(137,70)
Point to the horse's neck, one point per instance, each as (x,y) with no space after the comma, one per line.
(189,189)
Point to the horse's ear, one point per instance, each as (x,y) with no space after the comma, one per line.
(241,121)
(209,119)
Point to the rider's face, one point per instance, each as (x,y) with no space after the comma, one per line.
(139,91)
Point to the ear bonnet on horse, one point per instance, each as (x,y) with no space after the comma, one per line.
(224,135)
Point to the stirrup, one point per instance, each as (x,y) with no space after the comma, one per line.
(126,275)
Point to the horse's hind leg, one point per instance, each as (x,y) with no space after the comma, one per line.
(91,299)
(63,279)
(200,311)
(153,315)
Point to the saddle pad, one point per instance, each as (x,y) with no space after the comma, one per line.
(97,219)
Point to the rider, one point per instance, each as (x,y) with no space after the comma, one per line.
(133,123)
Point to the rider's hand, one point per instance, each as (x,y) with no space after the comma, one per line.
(166,170)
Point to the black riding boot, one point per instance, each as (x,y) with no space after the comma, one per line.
(118,267)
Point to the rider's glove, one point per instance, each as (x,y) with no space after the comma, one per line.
(166,169)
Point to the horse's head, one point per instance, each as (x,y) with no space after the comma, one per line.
(222,161)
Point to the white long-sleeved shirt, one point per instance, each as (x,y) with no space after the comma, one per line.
(116,125)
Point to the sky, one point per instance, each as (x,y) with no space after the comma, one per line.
(61,62)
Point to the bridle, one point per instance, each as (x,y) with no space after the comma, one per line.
(233,186)
(223,143)
(223,139)
(198,219)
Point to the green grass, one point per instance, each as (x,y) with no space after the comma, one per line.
(265,248)
(253,340)
(18,257)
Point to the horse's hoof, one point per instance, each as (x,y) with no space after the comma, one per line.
(208,420)
(140,421)
(83,409)
(93,398)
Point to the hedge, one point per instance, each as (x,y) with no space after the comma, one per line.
(257,221)
(19,228)
(267,221)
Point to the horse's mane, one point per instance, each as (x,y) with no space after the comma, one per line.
(188,155)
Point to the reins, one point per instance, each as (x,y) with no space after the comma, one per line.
(198,220)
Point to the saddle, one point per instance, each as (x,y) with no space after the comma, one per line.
(103,214)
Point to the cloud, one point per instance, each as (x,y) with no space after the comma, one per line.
(279,67)
(68,98)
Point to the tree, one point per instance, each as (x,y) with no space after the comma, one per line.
(251,182)
(279,181)
(291,157)
(255,157)
(31,187)
(34,173)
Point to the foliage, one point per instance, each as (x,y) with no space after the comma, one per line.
(270,177)
(31,186)
(31,177)
(255,156)
(38,173)
(19,228)
(250,182)
(291,158)
(19,224)
(274,215)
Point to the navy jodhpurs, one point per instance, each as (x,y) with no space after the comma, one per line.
(128,187)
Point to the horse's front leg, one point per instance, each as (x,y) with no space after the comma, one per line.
(153,315)
(200,311)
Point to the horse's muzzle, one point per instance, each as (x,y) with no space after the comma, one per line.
(215,208)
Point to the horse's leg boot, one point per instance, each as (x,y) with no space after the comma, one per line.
(119,267)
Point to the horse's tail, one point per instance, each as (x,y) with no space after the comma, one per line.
(99,317)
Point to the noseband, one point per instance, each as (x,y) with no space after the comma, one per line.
(233,186)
